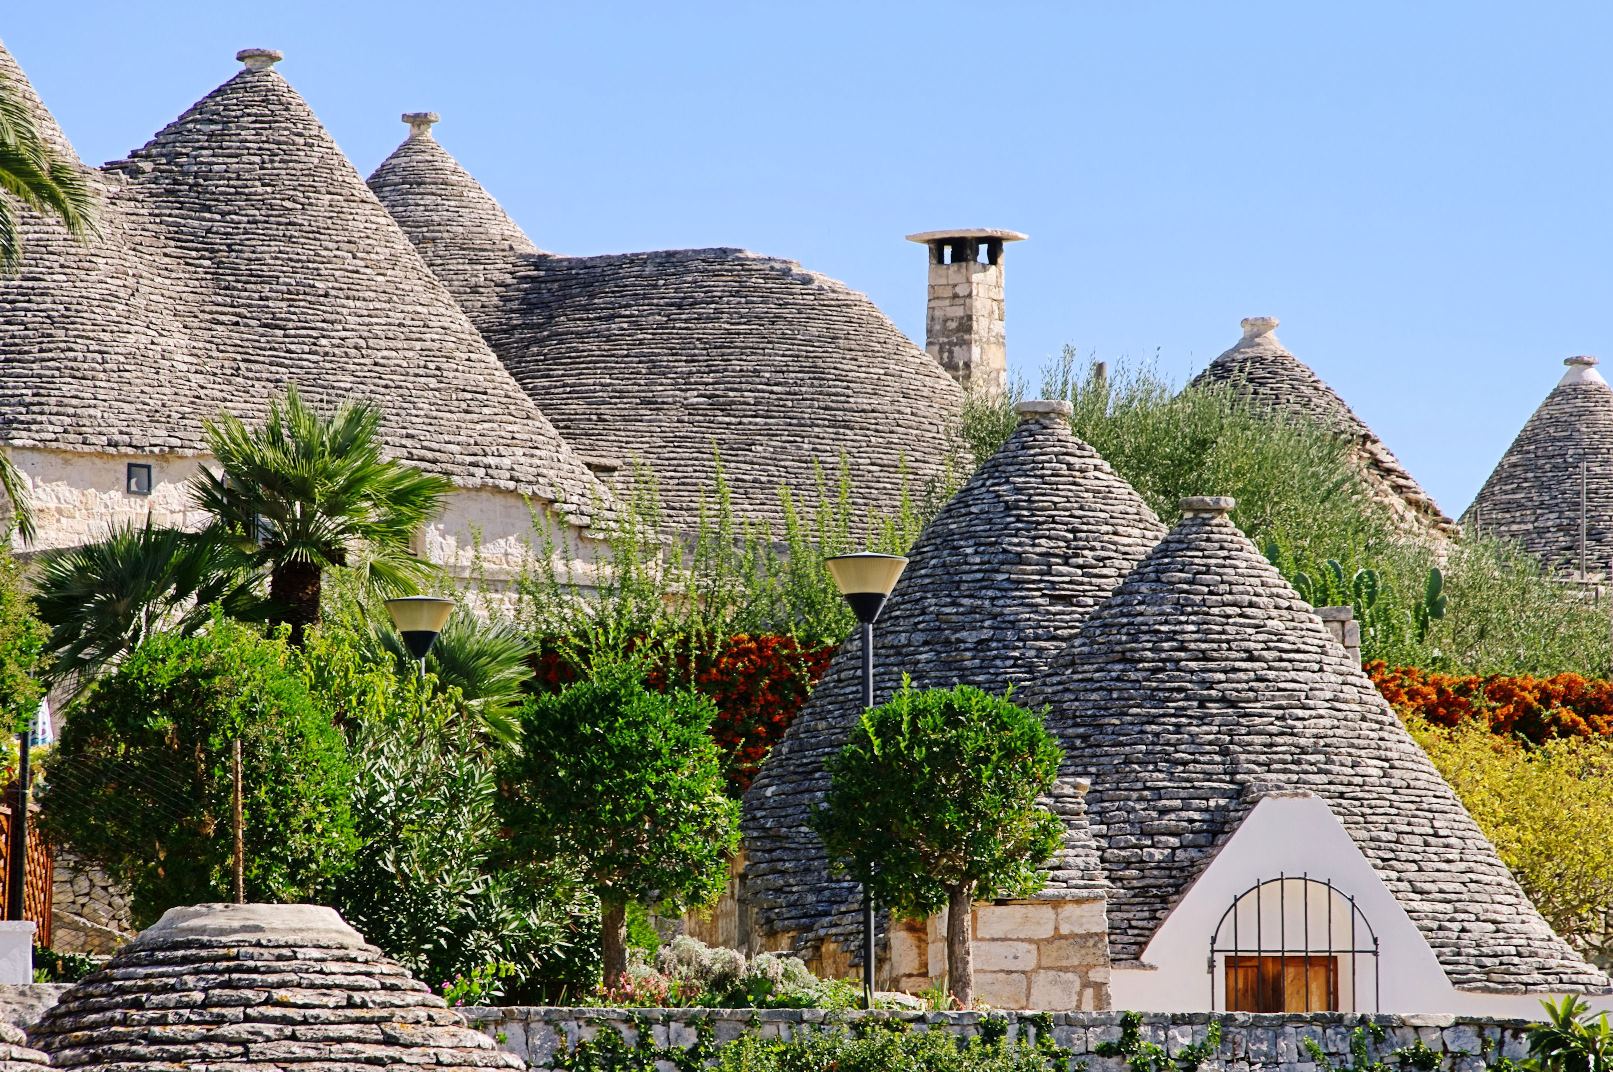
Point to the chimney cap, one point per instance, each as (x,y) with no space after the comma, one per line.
(925,237)
(420,123)
(260,59)
(1207,505)
(1044,409)
(1585,360)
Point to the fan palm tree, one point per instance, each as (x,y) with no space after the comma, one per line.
(482,663)
(33,175)
(102,600)
(306,492)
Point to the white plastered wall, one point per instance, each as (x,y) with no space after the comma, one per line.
(1297,835)
(483,534)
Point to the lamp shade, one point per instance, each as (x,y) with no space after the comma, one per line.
(866,579)
(419,620)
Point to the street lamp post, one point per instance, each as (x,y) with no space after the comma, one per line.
(866,580)
(419,620)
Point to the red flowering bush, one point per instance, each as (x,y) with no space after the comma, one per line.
(1534,708)
(758,682)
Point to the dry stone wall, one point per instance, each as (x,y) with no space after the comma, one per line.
(90,913)
(1249,1042)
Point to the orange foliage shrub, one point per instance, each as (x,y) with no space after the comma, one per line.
(1535,708)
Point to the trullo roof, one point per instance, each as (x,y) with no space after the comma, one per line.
(257,988)
(1263,371)
(995,588)
(679,357)
(1564,453)
(1204,682)
(241,253)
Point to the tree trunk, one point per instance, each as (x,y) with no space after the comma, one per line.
(294,589)
(613,941)
(960,946)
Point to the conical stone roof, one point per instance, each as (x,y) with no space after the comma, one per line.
(1261,369)
(1564,452)
(995,588)
(242,253)
(679,357)
(463,235)
(257,988)
(1204,682)
(14,79)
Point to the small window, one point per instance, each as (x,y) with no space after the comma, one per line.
(138,479)
(1303,983)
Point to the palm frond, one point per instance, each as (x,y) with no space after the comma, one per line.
(11,483)
(38,177)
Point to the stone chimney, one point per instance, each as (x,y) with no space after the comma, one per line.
(1341,623)
(964,325)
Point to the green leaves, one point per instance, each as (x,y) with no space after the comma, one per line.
(627,783)
(939,788)
(1573,1038)
(311,491)
(35,176)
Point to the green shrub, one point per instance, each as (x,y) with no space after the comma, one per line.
(626,784)
(141,781)
(934,801)
(22,662)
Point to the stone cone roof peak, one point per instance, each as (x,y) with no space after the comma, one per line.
(242,253)
(1260,369)
(11,73)
(259,59)
(995,588)
(1581,367)
(467,239)
(303,991)
(1205,668)
(1552,491)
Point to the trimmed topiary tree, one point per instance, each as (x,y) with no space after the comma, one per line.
(934,803)
(627,784)
(141,780)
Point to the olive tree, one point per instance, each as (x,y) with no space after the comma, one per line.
(626,785)
(934,802)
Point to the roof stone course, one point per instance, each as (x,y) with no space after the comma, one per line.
(257,987)
(1203,683)
(1566,448)
(995,588)
(242,253)
(1262,369)
(678,357)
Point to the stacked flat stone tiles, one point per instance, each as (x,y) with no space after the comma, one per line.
(240,252)
(1203,683)
(1533,496)
(15,1053)
(1262,370)
(690,360)
(256,987)
(996,587)
(460,231)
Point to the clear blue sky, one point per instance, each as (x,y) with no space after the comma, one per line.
(1417,190)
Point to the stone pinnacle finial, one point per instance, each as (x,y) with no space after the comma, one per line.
(1048,410)
(1256,326)
(1207,505)
(420,123)
(260,59)
(1583,360)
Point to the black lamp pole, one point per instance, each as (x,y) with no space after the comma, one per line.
(866,580)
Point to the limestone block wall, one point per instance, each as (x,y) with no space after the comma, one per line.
(1249,1042)
(1034,954)
(90,913)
